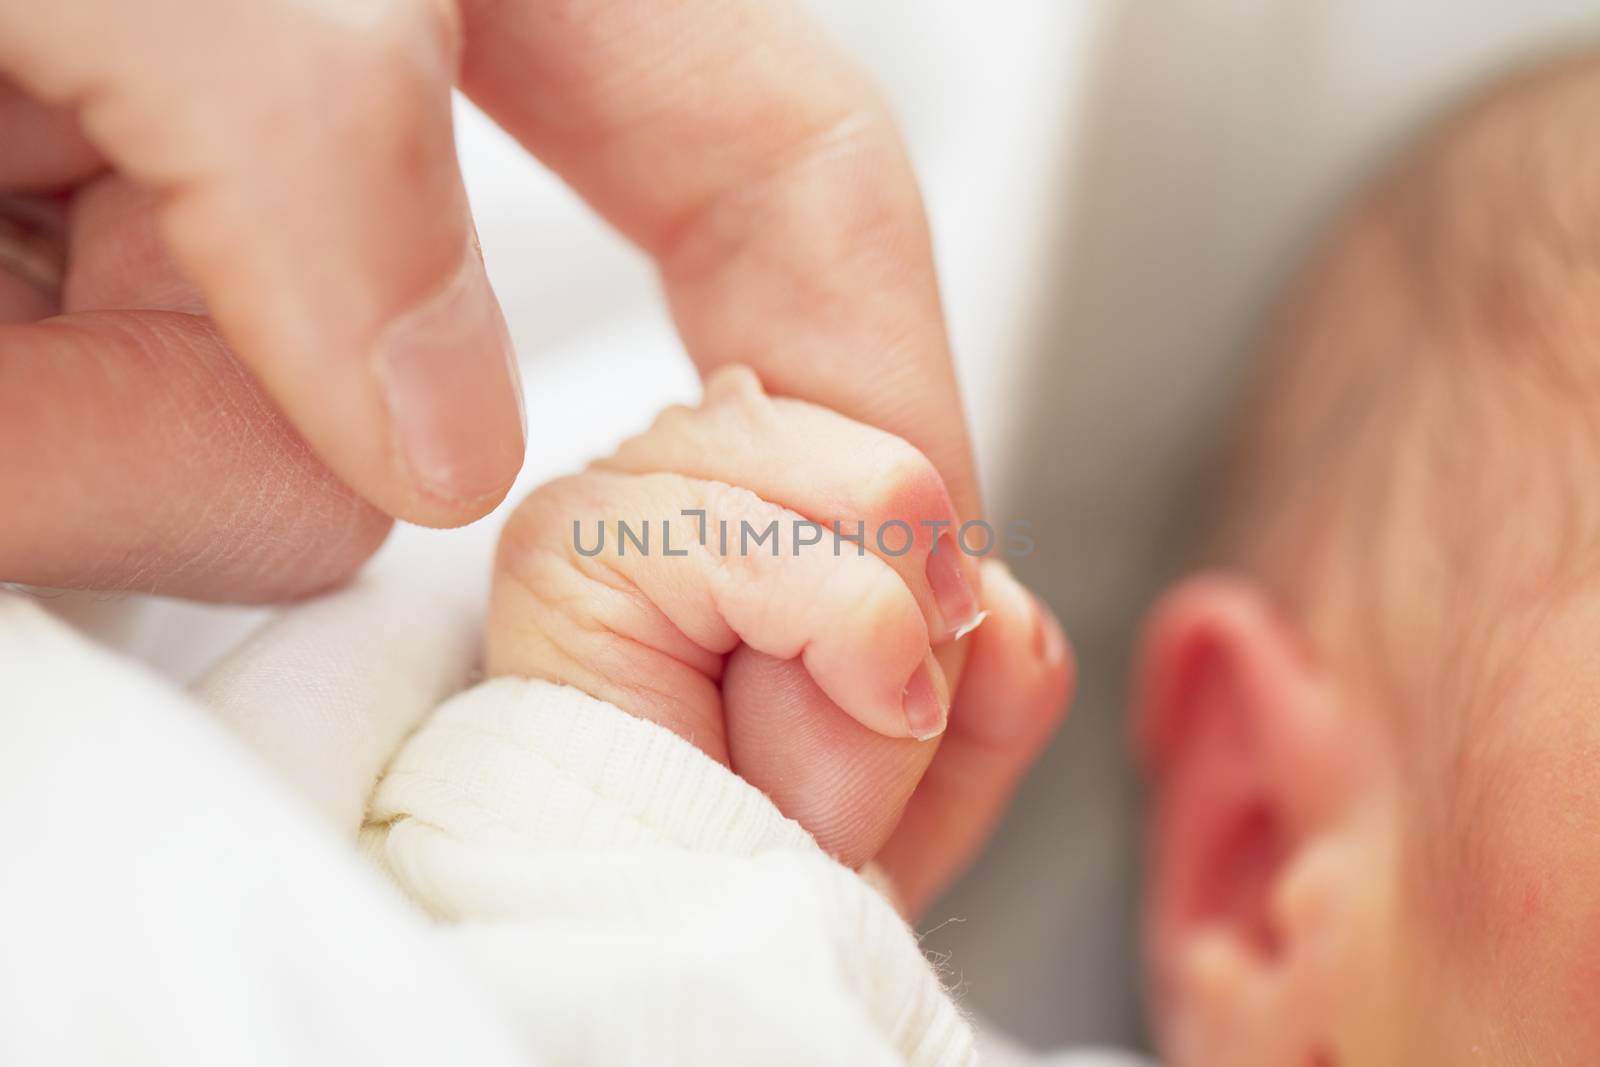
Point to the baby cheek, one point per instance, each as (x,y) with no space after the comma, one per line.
(1575,1000)
(1581,892)
(1524,830)
(1539,872)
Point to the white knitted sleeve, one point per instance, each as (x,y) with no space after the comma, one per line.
(633,901)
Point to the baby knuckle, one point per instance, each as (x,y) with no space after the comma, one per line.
(901,483)
(672,421)
(734,383)
(549,518)
(886,609)
(744,531)
(736,505)
(676,428)
(736,401)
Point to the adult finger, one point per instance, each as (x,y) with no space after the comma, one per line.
(44,147)
(1013,695)
(341,264)
(921,811)
(141,456)
(850,480)
(733,142)
(117,258)
(845,784)
(153,461)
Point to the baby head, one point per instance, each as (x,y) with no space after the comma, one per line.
(1374,728)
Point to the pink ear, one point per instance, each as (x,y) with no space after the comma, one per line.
(1209,618)
(1233,725)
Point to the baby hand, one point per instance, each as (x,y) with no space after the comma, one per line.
(633,580)
(673,578)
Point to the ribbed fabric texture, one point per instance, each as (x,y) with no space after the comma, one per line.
(588,857)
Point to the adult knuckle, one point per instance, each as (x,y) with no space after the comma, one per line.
(404,34)
(383,69)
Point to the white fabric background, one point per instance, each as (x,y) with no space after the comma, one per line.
(1115,191)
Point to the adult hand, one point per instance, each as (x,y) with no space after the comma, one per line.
(273,185)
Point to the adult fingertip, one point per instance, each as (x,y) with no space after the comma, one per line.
(1004,596)
(1022,652)
(448,377)
(1058,668)
(1050,645)
(1023,616)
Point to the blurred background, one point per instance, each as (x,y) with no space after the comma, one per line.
(1117,193)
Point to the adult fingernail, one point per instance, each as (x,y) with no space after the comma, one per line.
(958,605)
(449,380)
(926,701)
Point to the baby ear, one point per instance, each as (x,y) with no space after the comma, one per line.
(1254,764)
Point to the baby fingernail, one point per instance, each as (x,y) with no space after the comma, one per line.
(449,379)
(926,704)
(958,605)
